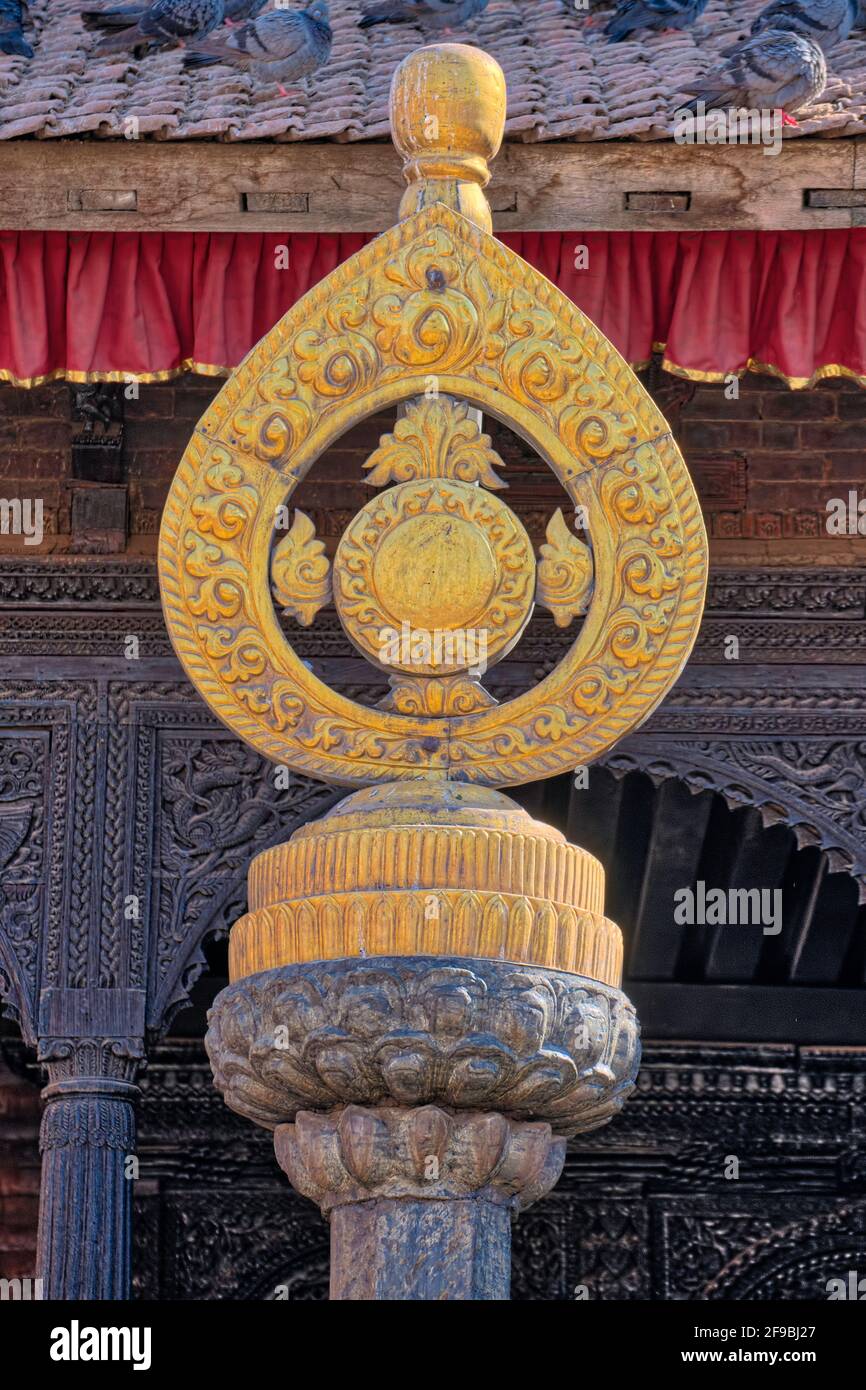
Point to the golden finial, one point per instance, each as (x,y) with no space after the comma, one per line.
(447,121)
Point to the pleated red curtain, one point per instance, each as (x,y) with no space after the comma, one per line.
(104,305)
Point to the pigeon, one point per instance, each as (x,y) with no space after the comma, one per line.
(128,16)
(238,10)
(12,41)
(826,22)
(776,69)
(439,14)
(632,15)
(281,46)
(164,24)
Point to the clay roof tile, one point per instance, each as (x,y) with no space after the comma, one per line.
(565,81)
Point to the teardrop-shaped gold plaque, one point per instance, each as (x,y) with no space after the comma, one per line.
(435,297)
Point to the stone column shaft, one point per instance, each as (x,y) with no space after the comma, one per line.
(397,1250)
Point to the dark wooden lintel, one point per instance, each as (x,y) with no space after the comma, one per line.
(286,187)
(774,1013)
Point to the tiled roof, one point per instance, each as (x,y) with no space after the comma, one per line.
(565,81)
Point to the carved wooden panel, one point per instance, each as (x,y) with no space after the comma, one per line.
(643,1211)
(128,814)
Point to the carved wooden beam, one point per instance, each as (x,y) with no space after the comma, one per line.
(298,186)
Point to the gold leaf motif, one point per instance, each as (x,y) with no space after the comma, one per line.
(439,697)
(564,572)
(435,439)
(301,571)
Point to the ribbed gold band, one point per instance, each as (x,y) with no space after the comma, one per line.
(437,856)
(423,868)
(459,922)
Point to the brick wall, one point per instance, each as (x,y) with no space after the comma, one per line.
(765,463)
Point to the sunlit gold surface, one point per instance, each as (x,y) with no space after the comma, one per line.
(301,571)
(435,438)
(444,557)
(416,869)
(435,569)
(447,120)
(368,336)
(438,315)
(564,572)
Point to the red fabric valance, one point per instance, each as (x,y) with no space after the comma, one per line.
(103,305)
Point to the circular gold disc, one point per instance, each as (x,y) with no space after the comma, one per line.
(434,571)
(434,576)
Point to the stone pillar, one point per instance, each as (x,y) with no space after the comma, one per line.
(422,1102)
(420,1201)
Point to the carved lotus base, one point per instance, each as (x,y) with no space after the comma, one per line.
(356,1155)
(529,1043)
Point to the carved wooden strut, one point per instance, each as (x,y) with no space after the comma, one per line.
(424,1000)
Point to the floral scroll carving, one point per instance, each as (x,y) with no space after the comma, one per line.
(435,294)
(301,571)
(564,573)
(436,439)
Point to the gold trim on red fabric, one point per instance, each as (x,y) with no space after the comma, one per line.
(795,383)
(129,378)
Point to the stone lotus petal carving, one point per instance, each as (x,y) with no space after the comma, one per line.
(436,438)
(301,571)
(533,1044)
(356,1155)
(565,571)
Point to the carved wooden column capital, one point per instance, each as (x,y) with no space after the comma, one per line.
(88,1133)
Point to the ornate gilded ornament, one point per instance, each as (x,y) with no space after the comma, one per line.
(436,438)
(426,943)
(564,572)
(301,571)
(433,577)
(496,333)
(435,306)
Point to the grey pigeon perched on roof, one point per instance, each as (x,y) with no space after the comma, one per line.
(436,13)
(164,24)
(128,16)
(827,22)
(776,69)
(632,15)
(280,46)
(12,41)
